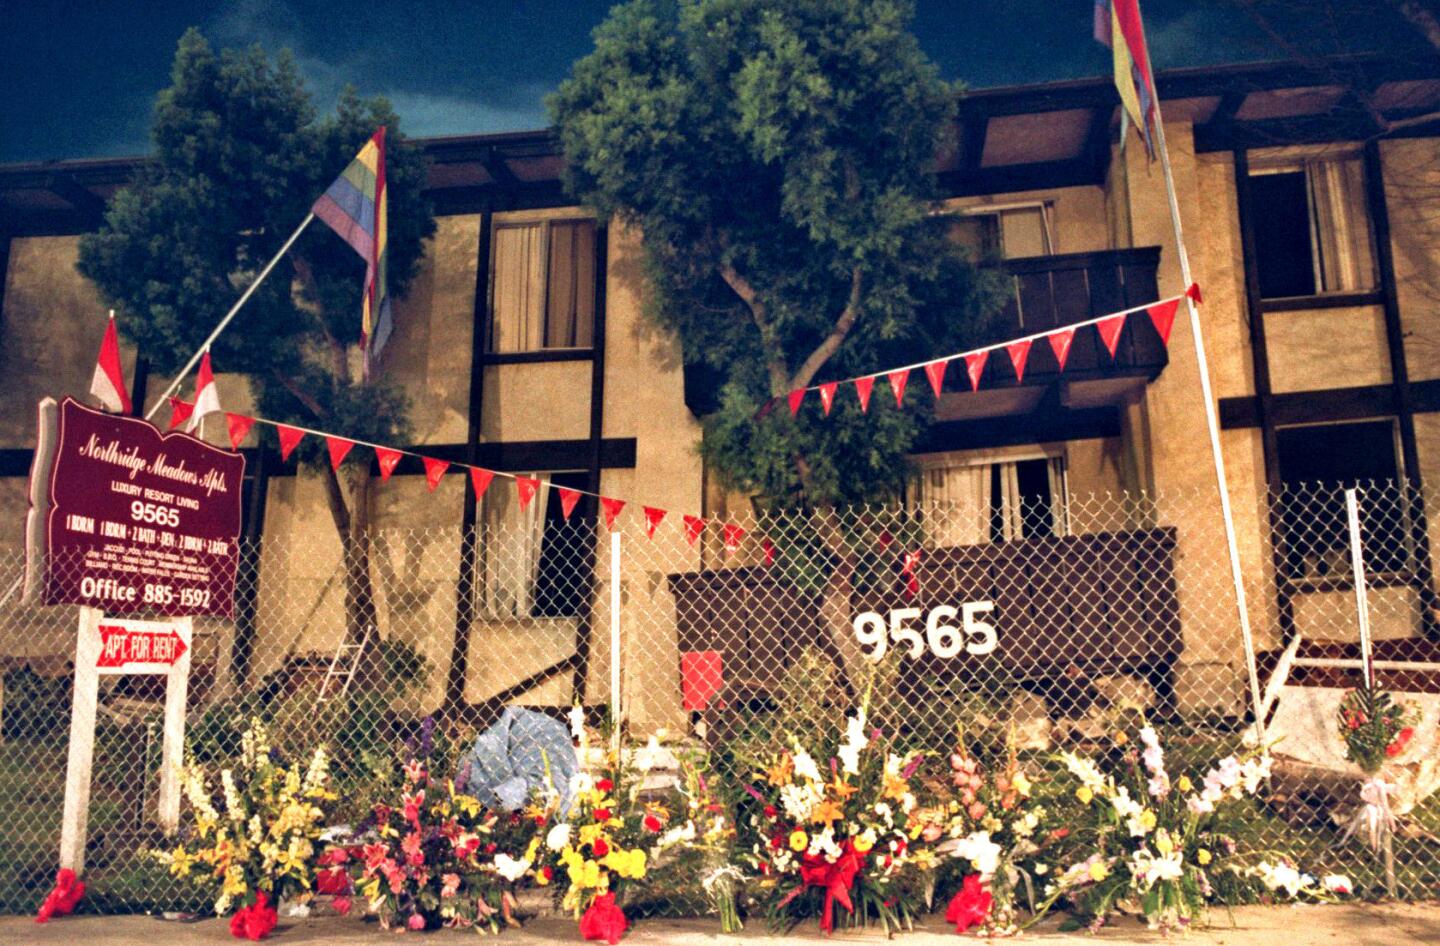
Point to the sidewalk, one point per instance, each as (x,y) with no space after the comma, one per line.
(1391,924)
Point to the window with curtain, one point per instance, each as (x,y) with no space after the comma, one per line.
(1003,233)
(1006,501)
(542,290)
(1312,234)
(532,563)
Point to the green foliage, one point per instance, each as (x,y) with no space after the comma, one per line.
(1373,726)
(777,159)
(240,154)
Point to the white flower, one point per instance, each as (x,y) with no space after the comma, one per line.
(805,766)
(650,755)
(1253,772)
(1280,877)
(1337,883)
(798,800)
(1085,770)
(885,813)
(558,837)
(824,844)
(577,724)
(983,853)
(855,743)
(509,868)
(1155,869)
(685,832)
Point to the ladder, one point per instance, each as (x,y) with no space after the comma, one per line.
(350,654)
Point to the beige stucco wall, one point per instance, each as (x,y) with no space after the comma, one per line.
(1412,196)
(1327,348)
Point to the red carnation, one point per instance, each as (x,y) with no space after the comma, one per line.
(604,785)
(602,814)
(770,811)
(1402,738)
(600,848)
(254,922)
(970,905)
(652,824)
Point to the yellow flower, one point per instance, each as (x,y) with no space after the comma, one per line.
(782,771)
(180,862)
(1203,856)
(1164,845)
(1184,784)
(1147,818)
(827,813)
(1085,794)
(865,842)
(1022,784)
(541,878)
(1099,871)
(234,882)
(799,840)
(1120,737)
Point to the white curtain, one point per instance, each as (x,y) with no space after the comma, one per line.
(955,501)
(509,560)
(1344,262)
(518,294)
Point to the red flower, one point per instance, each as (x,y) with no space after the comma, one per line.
(548,871)
(254,922)
(341,905)
(970,906)
(1059,833)
(600,848)
(604,785)
(652,824)
(770,811)
(602,814)
(63,898)
(1402,738)
(604,920)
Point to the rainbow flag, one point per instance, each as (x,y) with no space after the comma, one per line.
(1118,25)
(355,207)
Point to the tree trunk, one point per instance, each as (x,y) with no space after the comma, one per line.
(352,522)
(837,600)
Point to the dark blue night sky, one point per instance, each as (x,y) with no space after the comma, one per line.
(79,77)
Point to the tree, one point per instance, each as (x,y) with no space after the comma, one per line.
(240,155)
(777,160)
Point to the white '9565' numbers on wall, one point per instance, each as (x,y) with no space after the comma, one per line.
(974,636)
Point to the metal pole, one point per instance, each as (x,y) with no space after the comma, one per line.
(205,345)
(1211,420)
(615,707)
(1357,571)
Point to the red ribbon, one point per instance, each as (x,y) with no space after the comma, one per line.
(63,898)
(836,878)
(603,920)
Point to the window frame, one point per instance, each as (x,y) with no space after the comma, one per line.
(558,353)
(1047,227)
(1053,454)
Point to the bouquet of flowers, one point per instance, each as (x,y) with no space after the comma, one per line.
(259,846)
(1375,729)
(821,841)
(1151,843)
(708,832)
(432,861)
(992,824)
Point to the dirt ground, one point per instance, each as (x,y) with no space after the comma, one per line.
(1395,924)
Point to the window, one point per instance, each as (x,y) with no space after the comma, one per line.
(1003,232)
(1311,232)
(978,502)
(542,290)
(532,564)
(1317,464)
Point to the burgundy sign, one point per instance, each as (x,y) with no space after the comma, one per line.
(139,520)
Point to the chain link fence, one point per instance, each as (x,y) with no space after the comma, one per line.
(1021,613)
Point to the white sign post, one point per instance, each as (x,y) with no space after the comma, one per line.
(108,646)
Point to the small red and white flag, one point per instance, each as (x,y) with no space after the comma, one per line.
(207,397)
(108,383)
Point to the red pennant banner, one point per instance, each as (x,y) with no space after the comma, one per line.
(796,398)
(652,519)
(1019,354)
(612,509)
(290,438)
(935,371)
(434,470)
(827,395)
(338,447)
(526,487)
(568,500)
(1109,330)
(734,535)
(975,367)
(1060,344)
(1162,316)
(693,527)
(180,411)
(480,481)
(863,386)
(897,384)
(1194,293)
(769,548)
(389,459)
(238,425)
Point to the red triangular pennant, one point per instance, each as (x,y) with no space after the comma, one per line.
(238,425)
(693,527)
(1194,293)
(388,460)
(863,387)
(480,481)
(1019,354)
(526,487)
(733,537)
(434,470)
(1060,342)
(975,367)
(827,395)
(290,438)
(935,371)
(1109,330)
(1162,316)
(338,447)
(568,499)
(612,509)
(180,411)
(769,548)
(797,397)
(652,519)
(897,384)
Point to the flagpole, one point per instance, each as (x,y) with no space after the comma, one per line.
(244,297)
(1211,420)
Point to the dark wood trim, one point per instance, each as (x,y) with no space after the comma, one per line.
(535,357)
(1378,207)
(247,585)
(1329,300)
(139,385)
(1310,407)
(1307,129)
(585,625)
(973,131)
(1097,140)
(1007,179)
(469,528)
(1132,256)
(495,166)
(85,202)
(1040,426)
